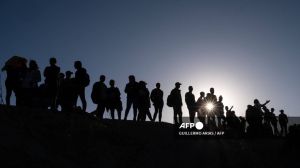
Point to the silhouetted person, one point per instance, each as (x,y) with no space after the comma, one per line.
(82,80)
(177,103)
(233,124)
(267,115)
(131,90)
(283,121)
(30,84)
(51,75)
(114,100)
(143,102)
(258,110)
(201,111)
(190,103)
(228,111)
(274,122)
(158,102)
(211,98)
(99,96)
(67,93)
(220,111)
(15,69)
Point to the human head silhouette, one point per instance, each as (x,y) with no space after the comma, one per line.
(33,65)
(102,78)
(112,83)
(142,84)
(221,98)
(61,76)
(212,90)
(272,110)
(52,61)
(202,94)
(190,88)
(131,78)
(68,74)
(77,64)
(177,85)
(256,102)
(226,108)
(281,111)
(157,85)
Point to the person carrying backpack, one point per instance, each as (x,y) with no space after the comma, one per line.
(175,101)
(99,96)
(82,80)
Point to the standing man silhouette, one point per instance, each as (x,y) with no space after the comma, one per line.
(131,90)
(283,121)
(99,96)
(143,102)
(158,102)
(82,80)
(177,103)
(220,111)
(51,81)
(274,122)
(190,103)
(201,111)
(114,100)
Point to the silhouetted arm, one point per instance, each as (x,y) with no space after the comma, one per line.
(268,101)
(231,108)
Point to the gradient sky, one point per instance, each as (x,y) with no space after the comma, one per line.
(245,49)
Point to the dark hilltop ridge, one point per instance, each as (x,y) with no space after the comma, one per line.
(41,138)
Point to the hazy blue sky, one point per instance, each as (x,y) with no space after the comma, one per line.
(246,49)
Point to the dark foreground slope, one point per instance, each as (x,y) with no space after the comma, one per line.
(35,138)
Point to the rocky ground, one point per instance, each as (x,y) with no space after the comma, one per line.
(40,138)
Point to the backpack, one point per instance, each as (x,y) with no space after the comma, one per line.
(170,100)
(86,80)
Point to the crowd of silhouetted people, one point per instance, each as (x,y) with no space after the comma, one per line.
(63,89)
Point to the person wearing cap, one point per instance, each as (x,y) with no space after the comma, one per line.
(283,121)
(177,103)
(143,102)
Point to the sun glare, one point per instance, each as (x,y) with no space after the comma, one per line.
(209,106)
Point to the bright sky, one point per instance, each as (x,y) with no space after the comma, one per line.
(245,49)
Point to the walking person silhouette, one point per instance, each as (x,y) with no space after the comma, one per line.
(143,102)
